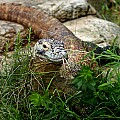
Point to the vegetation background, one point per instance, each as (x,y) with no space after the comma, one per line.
(97,91)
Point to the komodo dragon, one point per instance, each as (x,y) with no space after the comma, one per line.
(55,39)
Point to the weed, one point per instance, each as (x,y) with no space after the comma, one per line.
(112,12)
(96,96)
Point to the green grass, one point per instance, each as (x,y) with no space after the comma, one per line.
(97,92)
(112,14)
(18,100)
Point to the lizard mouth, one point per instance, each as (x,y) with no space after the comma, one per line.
(53,57)
(57,59)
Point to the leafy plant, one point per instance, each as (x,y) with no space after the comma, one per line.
(100,94)
(85,79)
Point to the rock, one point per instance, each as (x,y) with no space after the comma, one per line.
(61,9)
(8,34)
(95,30)
(66,10)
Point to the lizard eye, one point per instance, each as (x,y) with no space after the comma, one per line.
(46,45)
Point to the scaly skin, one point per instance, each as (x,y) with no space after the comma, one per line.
(43,25)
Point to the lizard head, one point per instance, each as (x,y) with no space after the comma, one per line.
(50,49)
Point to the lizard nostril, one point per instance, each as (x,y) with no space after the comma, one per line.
(44,46)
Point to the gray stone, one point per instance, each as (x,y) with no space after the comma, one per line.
(8,33)
(61,9)
(68,9)
(95,30)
